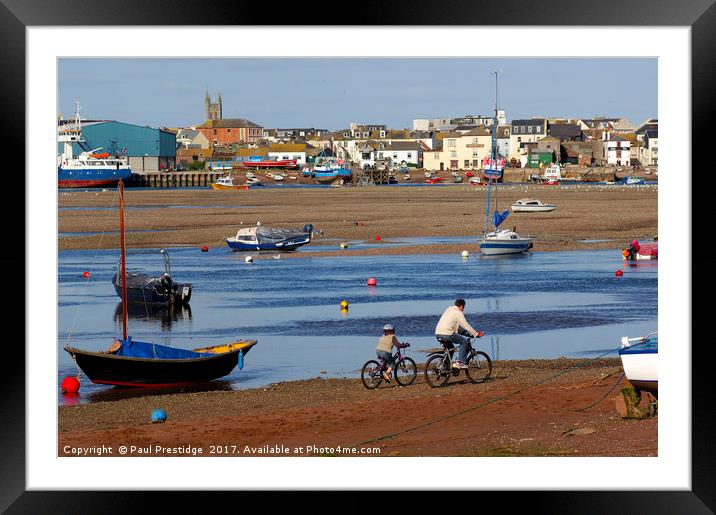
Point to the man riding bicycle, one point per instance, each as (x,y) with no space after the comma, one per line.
(453,327)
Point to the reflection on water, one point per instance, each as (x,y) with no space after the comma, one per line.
(163,315)
(117,393)
(538,305)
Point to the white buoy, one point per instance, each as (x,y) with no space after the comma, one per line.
(465,254)
(344,245)
(249,259)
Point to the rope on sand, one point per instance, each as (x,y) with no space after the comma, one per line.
(490,401)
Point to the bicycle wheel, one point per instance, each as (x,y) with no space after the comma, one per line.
(405,372)
(479,367)
(436,373)
(371,374)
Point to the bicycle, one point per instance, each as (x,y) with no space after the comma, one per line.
(404,372)
(438,367)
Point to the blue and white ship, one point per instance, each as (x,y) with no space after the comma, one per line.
(91,169)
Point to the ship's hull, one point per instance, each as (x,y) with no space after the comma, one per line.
(91,177)
(270,164)
(290,244)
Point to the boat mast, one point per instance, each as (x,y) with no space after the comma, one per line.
(491,166)
(124,259)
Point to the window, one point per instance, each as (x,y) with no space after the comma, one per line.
(395,155)
(475,163)
(453,154)
(453,164)
(366,134)
(451,142)
(529,129)
(410,155)
(437,155)
(519,139)
(228,130)
(467,163)
(382,134)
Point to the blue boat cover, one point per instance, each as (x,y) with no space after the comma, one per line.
(498,217)
(134,349)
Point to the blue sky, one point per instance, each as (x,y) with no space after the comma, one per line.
(331,93)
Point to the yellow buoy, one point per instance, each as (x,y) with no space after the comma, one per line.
(344,304)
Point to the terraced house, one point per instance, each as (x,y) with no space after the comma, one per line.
(523,132)
(460,151)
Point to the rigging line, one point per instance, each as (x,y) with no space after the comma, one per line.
(99,245)
(482,404)
(605,395)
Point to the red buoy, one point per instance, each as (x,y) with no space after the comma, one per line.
(377,238)
(619,273)
(85,275)
(205,249)
(372,281)
(70,384)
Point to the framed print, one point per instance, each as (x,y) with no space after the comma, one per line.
(235,135)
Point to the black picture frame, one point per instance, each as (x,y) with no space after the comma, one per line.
(17,15)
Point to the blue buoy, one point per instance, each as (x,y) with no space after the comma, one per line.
(241,360)
(158,415)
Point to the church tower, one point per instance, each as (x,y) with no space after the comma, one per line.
(212,110)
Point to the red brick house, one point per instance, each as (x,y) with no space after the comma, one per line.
(230,130)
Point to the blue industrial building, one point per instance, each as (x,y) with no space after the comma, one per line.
(148,149)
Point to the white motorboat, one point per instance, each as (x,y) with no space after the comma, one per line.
(278,177)
(531,205)
(640,359)
(253,181)
(504,241)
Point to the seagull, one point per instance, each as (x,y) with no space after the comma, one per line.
(278,256)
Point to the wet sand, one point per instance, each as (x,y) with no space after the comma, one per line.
(527,408)
(584,212)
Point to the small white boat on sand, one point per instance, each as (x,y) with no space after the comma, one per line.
(640,359)
(531,205)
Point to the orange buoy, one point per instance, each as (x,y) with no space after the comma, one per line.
(70,385)
(618,273)
(372,282)
(85,275)
(205,249)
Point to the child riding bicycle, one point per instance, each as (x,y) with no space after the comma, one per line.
(385,347)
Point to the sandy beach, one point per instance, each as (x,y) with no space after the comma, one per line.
(160,217)
(528,408)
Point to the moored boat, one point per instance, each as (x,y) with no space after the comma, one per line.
(531,205)
(146,289)
(226,182)
(639,251)
(640,360)
(262,238)
(498,241)
(264,162)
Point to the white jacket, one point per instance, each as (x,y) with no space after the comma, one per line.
(451,320)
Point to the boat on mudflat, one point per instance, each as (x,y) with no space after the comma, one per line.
(264,162)
(529,205)
(640,360)
(91,168)
(332,171)
(227,183)
(270,238)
